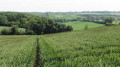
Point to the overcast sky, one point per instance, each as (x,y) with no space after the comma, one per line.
(59,5)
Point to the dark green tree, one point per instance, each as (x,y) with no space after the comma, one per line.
(38,28)
(69,28)
(109,20)
(3,20)
(14,30)
(23,22)
(30,32)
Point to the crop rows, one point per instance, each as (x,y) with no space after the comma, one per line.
(88,48)
(17,51)
(98,47)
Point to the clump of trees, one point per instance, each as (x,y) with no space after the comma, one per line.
(14,30)
(108,21)
(47,26)
(15,18)
(32,24)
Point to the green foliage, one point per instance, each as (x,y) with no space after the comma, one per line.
(39,25)
(69,28)
(5,32)
(86,27)
(46,26)
(23,22)
(30,32)
(3,20)
(15,18)
(20,30)
(14,30)
(109,20)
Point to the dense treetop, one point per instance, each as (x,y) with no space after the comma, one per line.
(15,18)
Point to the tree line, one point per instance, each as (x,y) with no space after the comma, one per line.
(86,18)
(33,24)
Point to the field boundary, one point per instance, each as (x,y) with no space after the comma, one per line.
(38,59)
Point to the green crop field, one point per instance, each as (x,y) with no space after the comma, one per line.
(98,47)
(17,51)
(78,25)
(93,47)
(5,27)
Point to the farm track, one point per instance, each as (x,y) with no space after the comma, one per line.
(38,59)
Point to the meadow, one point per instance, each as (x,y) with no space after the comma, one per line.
(79,25)
(98,47)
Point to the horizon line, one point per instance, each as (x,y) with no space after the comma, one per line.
(60,11)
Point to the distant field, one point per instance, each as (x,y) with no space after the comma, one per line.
(98,47)
(118,21)
(5,27)
(115,13)
(78,25)
(64,16)
(75,15)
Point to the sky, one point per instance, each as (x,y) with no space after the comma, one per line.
(59,5)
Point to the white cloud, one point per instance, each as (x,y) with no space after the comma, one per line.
(59,5)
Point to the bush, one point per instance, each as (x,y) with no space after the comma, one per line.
(14,30)
(86,26)
(30,32)
(108,21)
(69,28)
(108,24)
(20,33)
(5,32)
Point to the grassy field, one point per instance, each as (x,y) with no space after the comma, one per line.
(98,47)
(5,27)
(64,16)
(17,51)
(117,21)
(78,25)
